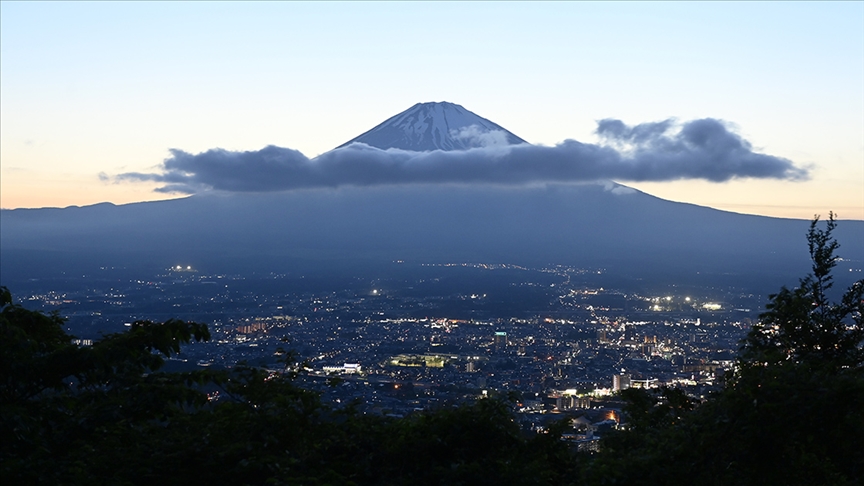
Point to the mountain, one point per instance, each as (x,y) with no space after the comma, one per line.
(362,230)
(435,126)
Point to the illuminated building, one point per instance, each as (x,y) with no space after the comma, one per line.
(500,341)
(620,382)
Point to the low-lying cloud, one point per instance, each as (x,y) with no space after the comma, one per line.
(661,151)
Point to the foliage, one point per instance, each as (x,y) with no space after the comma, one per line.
(470,444)
(107,414)
(791,413)
(57,395)
(802,325)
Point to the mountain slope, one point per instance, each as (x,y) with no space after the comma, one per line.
(630,233)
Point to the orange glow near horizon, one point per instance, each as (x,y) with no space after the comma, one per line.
(72,190)
(79,191)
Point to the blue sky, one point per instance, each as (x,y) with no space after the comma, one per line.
(90,88)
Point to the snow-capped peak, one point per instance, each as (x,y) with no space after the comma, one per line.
(436,126)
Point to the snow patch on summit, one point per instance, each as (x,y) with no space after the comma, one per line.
(436,126)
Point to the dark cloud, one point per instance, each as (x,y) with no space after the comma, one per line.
(616,130)
(660,151)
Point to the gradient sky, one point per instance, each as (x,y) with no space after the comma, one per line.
(90,88)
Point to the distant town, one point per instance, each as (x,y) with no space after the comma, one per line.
(451,332)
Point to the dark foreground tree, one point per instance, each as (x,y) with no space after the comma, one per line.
(107,414)
(57,399)
(792,412)
(802,325)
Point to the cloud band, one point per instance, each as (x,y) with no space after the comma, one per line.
(661,151)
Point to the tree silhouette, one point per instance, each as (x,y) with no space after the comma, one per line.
(792,413)
(802,324)
(108,414)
